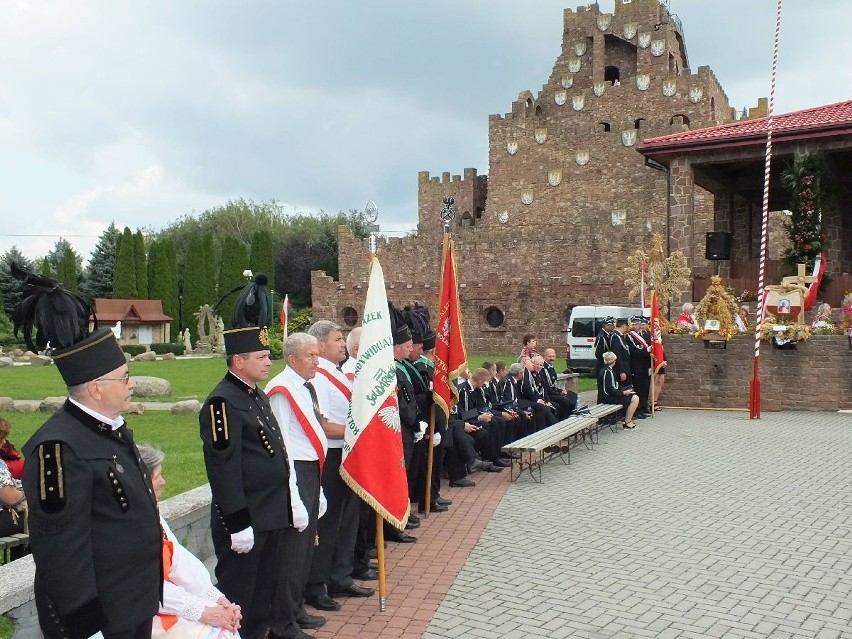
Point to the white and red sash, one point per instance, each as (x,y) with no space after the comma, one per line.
(303,420)
(639,340)
(339,385)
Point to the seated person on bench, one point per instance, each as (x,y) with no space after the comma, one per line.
(613,393)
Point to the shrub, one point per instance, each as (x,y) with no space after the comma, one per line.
(162,349)
(133,349)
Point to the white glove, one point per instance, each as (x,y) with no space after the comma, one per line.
(323,506)
(436,439)
(243,541)
(418,434)
(300,515)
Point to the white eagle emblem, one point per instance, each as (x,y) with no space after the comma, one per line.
(390,417)
(444,333)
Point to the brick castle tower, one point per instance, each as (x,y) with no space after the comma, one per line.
(568,197)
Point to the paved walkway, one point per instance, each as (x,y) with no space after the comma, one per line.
(697,524)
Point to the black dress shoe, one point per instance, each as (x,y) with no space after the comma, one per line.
(434,508)
(366,575)
(402,538)
(372,553)
(464,482)
(443,501)
(411,525)
(353,590)
(640,416)
(306,621)
(322,602)
(413,518)
(502,463)
(494,468)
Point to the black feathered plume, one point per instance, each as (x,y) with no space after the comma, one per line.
(61,319)
(423,312)
(254,305)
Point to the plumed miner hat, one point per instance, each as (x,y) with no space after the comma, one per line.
(249,331)
(399,329)
(61,323)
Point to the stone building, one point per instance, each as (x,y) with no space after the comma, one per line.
(568,197)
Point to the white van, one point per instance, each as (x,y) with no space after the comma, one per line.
(584,324)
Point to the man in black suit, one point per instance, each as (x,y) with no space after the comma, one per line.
(532,391)
(618,344)
(249,473)
(565,403)
(639,343)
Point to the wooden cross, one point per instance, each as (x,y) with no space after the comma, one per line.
(800,278)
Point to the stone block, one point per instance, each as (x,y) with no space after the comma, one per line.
(6,361)
(27,405)
(40,360)
(136,408)
(169,356)
(7,404)
(186,407)
(51,404)
(147,386)
(147,356)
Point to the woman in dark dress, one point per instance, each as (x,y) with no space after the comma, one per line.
(611,393)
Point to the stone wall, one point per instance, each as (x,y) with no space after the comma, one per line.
(816,376)
(567,198)
(188,515)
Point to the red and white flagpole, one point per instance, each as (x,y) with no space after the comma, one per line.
(754,398)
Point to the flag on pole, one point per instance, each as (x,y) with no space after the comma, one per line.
(450,354)
(819,269)
(373,465)
(658,356)
(285,312)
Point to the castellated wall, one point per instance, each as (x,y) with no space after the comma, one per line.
(567,198)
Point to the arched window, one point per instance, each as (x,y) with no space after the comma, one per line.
(638,122)
(466,219)
(529,103)
(679,119)
(538,109)
(349,316)
(612,75)
(494,317)
(604,127)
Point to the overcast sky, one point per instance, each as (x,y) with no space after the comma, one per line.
(141,112)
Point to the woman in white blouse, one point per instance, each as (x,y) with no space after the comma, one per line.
(192,606)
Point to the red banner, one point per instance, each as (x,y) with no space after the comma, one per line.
(658,356)
(450,354)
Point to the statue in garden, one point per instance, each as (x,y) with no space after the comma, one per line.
(206,328)
(187,342)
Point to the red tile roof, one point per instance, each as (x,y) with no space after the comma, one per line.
(816,122)
(130,311)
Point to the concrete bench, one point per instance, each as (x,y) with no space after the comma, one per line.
(534,450)
(12,541)
(569,381)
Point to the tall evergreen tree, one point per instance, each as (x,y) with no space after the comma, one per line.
(9,286)
(124,284)
(198,284)
(101,267)
(58,252)
(44,267)
(141,266)
(162,278)
(66,270)
(262,255)
(234,261)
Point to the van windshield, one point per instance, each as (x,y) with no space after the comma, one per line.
(583,327)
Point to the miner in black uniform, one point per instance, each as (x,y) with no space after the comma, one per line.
(639,343)
(94,530)
(602,344)
(565,401)
(618,344)
(248,468)
(412,421)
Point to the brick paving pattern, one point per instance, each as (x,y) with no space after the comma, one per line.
(697,524)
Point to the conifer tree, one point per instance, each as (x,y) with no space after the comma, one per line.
(141,266)
(234,261)
(262,256)
(44,267)
(101,267)
(124,286)
(9,286)
(198,283)
(66,270)
(162,278)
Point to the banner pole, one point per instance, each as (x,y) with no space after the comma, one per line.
(653,398)
(380,550)
(430,460)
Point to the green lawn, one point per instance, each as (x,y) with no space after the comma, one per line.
(177,435)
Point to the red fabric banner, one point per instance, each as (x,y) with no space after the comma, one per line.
(658,356)
(819,269)
(450,354)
